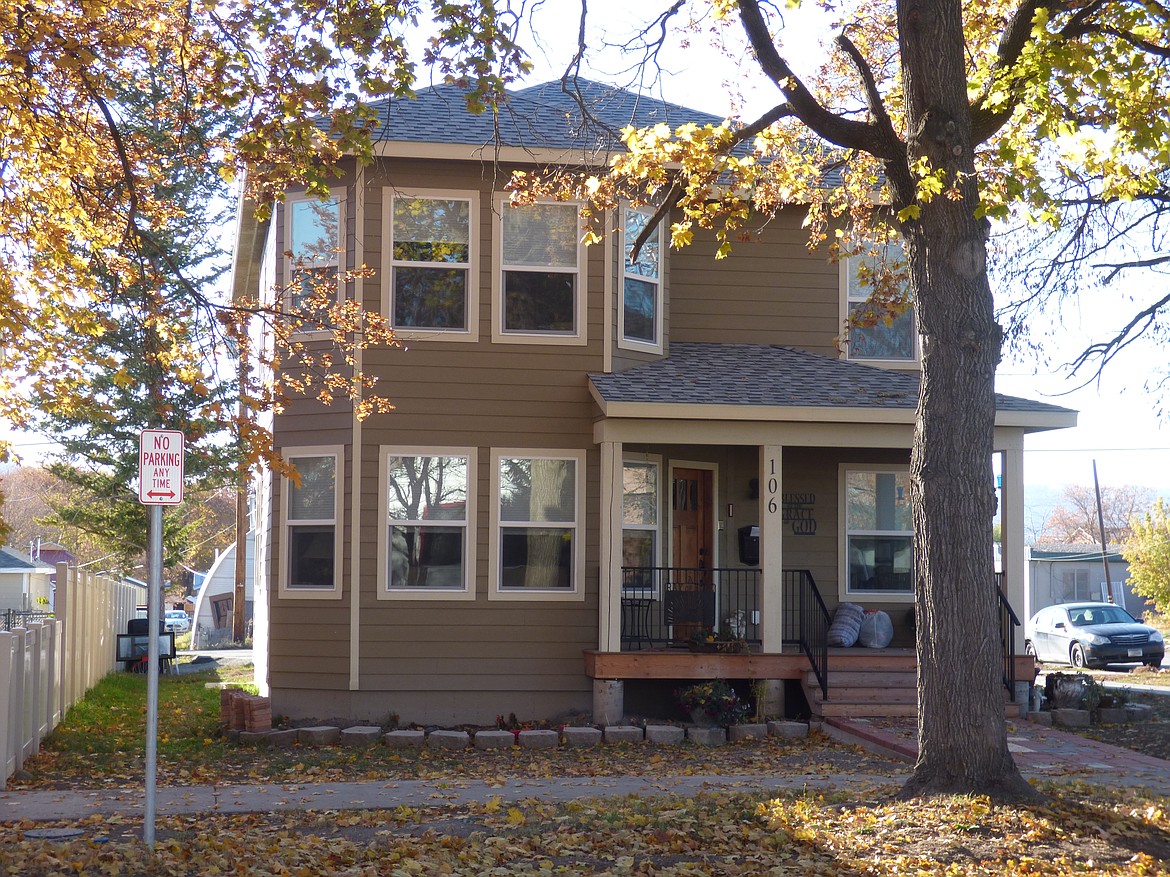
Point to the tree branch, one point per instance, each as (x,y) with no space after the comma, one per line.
(848,133)
(985,121)
(873,98)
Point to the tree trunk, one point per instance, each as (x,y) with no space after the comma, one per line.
(962,731)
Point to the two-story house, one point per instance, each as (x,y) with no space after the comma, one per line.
(594,464)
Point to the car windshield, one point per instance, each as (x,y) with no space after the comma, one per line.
(1083,616)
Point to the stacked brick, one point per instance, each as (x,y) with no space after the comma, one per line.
(241,711)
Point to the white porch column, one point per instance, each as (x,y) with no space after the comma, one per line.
(771,550)
(609,598)
(1012,529)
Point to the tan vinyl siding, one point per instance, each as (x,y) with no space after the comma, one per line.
(770,290)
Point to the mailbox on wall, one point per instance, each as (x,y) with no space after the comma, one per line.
(749,545)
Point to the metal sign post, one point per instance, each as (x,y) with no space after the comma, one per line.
(160,482)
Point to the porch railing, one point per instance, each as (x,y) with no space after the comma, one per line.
(806,622)
(664,606)
(1008,621)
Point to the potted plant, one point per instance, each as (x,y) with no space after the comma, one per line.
(712,703)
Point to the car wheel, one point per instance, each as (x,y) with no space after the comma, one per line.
(1154,663)
(1077,656)
(1030,650)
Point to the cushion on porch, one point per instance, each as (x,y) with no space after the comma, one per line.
(877,630)
(846,623)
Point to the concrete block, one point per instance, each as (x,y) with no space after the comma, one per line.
(448,739)
(609,700)
(706,736)
(319,735)
(405,739)
(1111,715)
(1068,718)
(539,739)
(1138,712)
(668,734)
(1041,718)
(623,734)
(494,740)
(788,730)
(747,732)
(583,738)
(361,735)
(282,739)
(254,738)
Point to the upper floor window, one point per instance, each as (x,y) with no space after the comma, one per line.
(871,337)
(432,258)
(428,547)
(541,273)
(640,317)
(314,242)
(312,556)
(539,507)
(879,533)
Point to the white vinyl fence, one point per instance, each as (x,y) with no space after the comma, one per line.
(47,667)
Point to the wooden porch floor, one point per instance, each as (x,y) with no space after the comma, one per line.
(862,682)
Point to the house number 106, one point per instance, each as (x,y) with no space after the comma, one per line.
(773,488)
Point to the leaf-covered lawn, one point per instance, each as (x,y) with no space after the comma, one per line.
(1079,832)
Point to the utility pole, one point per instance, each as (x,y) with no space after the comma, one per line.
(1104,541)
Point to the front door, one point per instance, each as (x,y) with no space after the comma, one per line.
(691,602)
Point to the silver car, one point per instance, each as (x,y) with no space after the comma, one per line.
(1092,635)
(177,620)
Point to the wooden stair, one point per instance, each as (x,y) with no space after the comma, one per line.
(865,683)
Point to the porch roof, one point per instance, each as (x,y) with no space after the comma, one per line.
(711,380)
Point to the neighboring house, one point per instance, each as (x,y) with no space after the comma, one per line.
(215,600)
(51,553)
(590,462)
(24,583)
(1067,573)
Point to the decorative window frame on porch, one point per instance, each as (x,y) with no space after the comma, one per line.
(327,518)
(567,515)
(514,257)
(392,516)
(894,346)
(641,517)
(890,525)
(434,257)
(641,281)
(324,256)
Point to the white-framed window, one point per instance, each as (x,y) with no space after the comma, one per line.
(892,344)
(540,274)
(313,235)
(311,556)
(878,551)
(431,239)
(426,543)
(641,308)
(538,506)
(641,502)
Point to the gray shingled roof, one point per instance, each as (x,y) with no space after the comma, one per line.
(539,117)
(772,375)
(12,560)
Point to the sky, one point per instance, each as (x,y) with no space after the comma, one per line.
(1118,427)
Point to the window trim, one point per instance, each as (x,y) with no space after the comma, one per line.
(624,343)
(654,460)
(337,194)
(501,203)
(844,273)
(471,333)
(843,590)
(284,591)
(577,592)
(470,529)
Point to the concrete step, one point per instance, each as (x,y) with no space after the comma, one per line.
(864,679)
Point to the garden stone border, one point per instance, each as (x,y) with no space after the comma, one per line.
(569,737)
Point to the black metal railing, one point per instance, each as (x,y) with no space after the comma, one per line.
(806,622)
(1008,621)
(663,605)
(20,617)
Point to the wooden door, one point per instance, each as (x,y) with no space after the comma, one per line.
(691,605)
